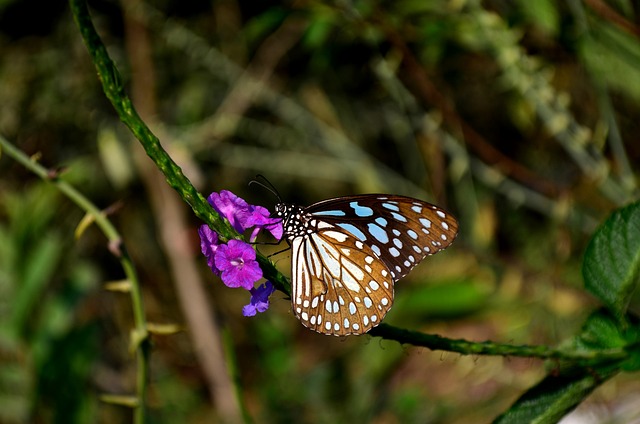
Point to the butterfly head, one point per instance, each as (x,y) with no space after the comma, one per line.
(293,220)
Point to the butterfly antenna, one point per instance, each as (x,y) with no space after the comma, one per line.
(265,183)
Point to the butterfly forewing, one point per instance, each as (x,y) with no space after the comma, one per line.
(339,287)
(400,230)
(348,252)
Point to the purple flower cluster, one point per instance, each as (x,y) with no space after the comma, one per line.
(235,262)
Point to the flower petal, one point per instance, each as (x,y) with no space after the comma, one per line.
(237,262)
(209,245)
(229,206)
(259,299)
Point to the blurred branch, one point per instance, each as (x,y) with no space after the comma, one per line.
(174,229)
(512,190)
(114,90)
(627,177)
(248,86)
(461,161)
(370,172)
(523,74)
(417,77)
(139,338)
(607,12)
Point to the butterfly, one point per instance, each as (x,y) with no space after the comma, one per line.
(348,252)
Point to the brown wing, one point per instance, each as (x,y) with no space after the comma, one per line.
(339,285)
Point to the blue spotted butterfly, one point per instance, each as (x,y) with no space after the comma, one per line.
(348,252)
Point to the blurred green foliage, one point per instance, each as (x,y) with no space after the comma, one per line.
(45,319)
(552,86)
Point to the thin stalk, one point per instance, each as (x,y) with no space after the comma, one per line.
(140,339)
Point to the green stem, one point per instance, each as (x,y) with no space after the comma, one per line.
(114,90)
(115,241)
(435,342)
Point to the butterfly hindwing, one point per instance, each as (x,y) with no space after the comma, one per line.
(338,285)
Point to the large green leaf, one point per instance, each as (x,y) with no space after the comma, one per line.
(612,259)
(566,386)
(604,333)
(555,396)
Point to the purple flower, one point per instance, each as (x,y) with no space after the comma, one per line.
(209,245)
(242,215)
(258,217)
(259,299)
(229,206)
(237,263)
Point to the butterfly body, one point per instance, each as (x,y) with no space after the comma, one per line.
(348,252)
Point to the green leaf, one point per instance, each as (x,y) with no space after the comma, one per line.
(600,331)
(565,387)
(122,400)
(42,261)
(612,259)
(318,32)
(556,395)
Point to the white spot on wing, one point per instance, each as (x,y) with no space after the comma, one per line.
(352,268)
(340,237)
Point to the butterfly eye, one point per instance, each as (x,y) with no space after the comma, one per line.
(348,252)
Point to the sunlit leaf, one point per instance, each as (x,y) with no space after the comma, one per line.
(84,223)
(164,329)
(122,286)
(122,400)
